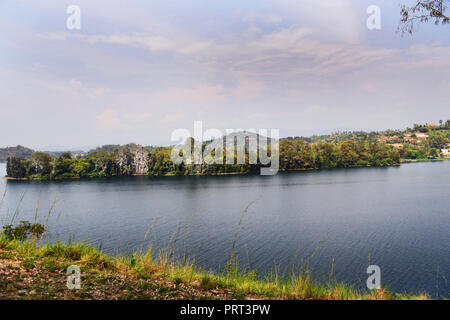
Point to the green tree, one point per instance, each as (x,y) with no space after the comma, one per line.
(15,168)
(438,142)
(66,155)
(434,153)
(62,165)
(81,167)
(41,163)
(349,156)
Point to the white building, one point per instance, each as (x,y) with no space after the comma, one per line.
(445,153)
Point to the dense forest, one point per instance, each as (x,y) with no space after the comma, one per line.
(137,160)
(340,150)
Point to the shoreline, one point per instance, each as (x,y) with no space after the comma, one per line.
(424,160)
(192,175)
(10,178)
(402,161)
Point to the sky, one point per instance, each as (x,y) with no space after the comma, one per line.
(137,70)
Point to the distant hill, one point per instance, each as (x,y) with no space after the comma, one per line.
(19,151)
(106,147)
(113,147)
(243,136)
(59,153)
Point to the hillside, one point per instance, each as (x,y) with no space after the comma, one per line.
(19,151)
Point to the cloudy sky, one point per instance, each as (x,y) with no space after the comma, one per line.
(137,70)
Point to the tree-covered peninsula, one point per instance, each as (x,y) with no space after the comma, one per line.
(133,159)
(340,150)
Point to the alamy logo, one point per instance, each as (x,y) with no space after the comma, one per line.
(374,280)
(74,20)
(74,278)
(374,20)
(236,143)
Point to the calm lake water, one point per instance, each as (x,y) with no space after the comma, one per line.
(397,218)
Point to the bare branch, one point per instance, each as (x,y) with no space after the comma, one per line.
(423,11)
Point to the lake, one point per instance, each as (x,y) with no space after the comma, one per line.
(397,218)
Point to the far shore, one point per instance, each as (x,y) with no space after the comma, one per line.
(403,161)
(423,160)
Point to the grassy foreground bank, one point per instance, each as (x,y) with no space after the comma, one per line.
(31,271)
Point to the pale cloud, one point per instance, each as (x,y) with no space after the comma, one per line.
(338,20)
(76,83)
(368,87)
(209,95)
(39,67)
(138,40)
(261,17)
(179,44)
(296,51)
(197,47)
(288,64)
(291,50)
(199,94)
(203,94)
(171,118)
(422,56)
(247,89)
(137,118)
(288,39)
(98,92)
(72,88)
(111,119)
(58,36)
(318,108)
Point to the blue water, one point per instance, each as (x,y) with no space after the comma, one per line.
(397,218)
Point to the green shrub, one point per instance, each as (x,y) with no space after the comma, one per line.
(22,231)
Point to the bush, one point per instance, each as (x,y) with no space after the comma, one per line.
(22,231)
